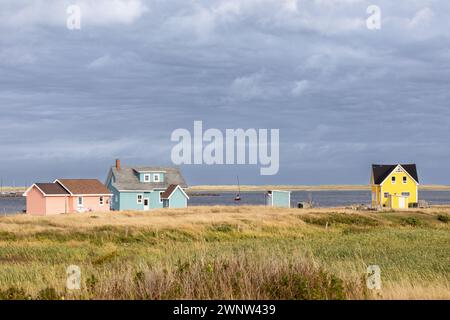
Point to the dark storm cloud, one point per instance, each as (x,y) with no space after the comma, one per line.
(343,96)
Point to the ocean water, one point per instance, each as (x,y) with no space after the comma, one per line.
(320,198)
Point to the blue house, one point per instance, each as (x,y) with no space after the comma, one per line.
(145,188)
(278,198)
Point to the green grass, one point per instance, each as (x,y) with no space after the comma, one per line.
(242,253)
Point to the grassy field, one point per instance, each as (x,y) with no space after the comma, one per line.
(227,253)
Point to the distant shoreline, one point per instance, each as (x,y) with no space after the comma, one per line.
(258,188)
(248,188)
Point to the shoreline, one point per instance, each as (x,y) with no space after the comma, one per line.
(259,188)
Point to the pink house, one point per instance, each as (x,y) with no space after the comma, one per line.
(67,196)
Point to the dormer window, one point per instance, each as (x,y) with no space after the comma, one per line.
(393,180)
(147,177)
(156,177)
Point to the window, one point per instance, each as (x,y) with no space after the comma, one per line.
(80,201)
(386,194)
(116,198)
(139,199)
(146,177)
(160,195)
(405,194)
(393,180)
(405,179)
(101,201)
(156,177)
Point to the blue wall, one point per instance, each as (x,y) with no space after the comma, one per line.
(161,176)
(281,199)
(178,199)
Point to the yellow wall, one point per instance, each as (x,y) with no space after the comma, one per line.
(395,190)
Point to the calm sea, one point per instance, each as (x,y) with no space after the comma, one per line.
(320,198)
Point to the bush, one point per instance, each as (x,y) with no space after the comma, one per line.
(443,218)
(14,293)
(411,221)
(48,294)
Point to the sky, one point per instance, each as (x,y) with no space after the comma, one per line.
(343,96)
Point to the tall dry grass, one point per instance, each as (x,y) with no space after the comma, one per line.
(227,253)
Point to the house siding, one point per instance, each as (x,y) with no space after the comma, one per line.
(115,200)
(56,205)
(281,199)
(152,174)
(128,200)
(395,191)
(35,202)
(178,199)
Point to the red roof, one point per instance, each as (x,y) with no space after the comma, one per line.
(84,186)
(51,188)
(166,194)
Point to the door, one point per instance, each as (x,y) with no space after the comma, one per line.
(401,202)
(146,204)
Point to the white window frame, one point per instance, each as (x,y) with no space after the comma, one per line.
(405,179)
(156,177)
(393,179)
(147,177)
(78,202)
(101,200)
(140,198)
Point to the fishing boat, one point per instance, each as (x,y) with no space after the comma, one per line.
(238,195)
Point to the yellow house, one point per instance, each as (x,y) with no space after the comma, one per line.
(394,186)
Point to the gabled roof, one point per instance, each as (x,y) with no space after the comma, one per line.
(171,189)
(84,186)
(51,188)
(126,178)
(381,171)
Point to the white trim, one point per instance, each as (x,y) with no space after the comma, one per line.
(394,170)
(101,200)
(178,186)
(146,207)
(289,203)
(154,175)
(67,189)
(45,194)
(393,180)
(147,175)
(137,198)
(78,202)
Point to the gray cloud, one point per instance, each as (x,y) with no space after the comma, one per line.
(343,96)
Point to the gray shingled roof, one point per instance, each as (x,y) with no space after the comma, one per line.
(126,178)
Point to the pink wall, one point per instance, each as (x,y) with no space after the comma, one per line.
(90,203)
(35,202)
(56,205)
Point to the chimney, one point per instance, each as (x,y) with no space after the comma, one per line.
(118,164)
